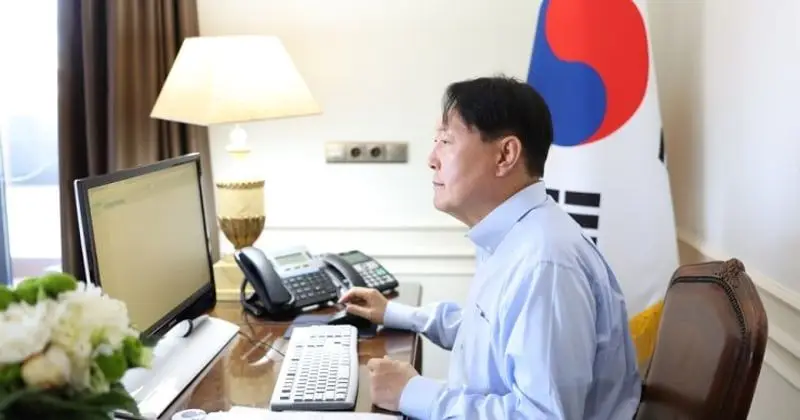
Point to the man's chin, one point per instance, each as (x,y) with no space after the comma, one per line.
(441,205)
(437,204)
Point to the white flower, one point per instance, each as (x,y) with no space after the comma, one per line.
(88,314)
(89,320)
(47,370)
(58,339)
(24,330)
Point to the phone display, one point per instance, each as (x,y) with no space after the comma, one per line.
(293,259)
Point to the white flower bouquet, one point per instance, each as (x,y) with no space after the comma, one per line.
(64,347)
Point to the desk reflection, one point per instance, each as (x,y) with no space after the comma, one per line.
(244,374)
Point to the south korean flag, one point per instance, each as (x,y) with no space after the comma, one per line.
(590,61)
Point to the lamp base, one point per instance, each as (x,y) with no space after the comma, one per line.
(242,231)
(228,279)
(241,218)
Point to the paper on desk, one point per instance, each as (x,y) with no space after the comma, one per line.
(250,413)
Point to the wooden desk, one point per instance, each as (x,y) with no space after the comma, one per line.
(246,371)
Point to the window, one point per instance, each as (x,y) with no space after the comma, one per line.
(29,135)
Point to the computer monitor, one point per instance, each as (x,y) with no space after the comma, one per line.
(145,241)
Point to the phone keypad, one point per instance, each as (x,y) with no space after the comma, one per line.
(311,289)
(376,276)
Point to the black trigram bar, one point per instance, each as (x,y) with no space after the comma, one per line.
(580,199)
(587,221)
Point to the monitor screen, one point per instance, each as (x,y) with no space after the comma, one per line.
(147,241)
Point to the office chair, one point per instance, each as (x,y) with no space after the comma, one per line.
(710,346)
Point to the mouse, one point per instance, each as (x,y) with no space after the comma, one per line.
(345,318)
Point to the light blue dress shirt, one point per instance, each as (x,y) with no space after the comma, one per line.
(544,331)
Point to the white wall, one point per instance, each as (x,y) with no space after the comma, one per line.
(378,70)
(729,75)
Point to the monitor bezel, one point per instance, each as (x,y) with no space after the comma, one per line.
(201,302)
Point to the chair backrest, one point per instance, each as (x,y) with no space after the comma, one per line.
(710,346)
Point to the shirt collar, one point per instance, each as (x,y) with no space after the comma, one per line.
(490,231)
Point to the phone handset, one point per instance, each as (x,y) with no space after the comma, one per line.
(344,271)
(269,290)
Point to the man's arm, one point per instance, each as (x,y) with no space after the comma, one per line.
(438,322)
(547,333)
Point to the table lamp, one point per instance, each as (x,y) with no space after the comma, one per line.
(234,80)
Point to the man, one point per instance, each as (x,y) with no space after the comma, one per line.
(543,333)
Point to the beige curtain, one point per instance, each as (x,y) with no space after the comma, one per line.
(114,55)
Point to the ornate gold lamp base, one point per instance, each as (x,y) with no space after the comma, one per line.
(242,231)
(241,218)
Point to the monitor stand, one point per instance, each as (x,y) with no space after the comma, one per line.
(178,358)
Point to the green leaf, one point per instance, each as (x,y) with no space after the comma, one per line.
(9,399)
(36,403)
(117,398)
(29,290)
(113,365)
(10,377)
(7,297)
(91,416)
(57,283)
(133,351)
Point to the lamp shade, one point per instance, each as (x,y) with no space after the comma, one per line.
(233,79)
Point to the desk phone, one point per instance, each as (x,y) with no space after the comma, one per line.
(371,271)
(291,279)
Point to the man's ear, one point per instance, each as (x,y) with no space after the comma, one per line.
(509,154)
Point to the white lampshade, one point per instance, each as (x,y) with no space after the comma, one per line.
(233,79)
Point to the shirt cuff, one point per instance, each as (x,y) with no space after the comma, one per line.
(399,316)
(418,397)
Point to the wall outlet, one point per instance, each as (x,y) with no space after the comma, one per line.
(366,152)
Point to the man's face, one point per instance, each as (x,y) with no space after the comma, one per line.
(463,167)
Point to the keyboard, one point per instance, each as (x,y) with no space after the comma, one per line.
(319,370)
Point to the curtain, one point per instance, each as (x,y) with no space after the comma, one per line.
(113,57)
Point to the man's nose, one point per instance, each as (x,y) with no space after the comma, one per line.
(433,161)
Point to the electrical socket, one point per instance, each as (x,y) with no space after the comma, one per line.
(366,152)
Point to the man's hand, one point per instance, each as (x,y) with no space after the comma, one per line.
(365,302)
(388,378)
